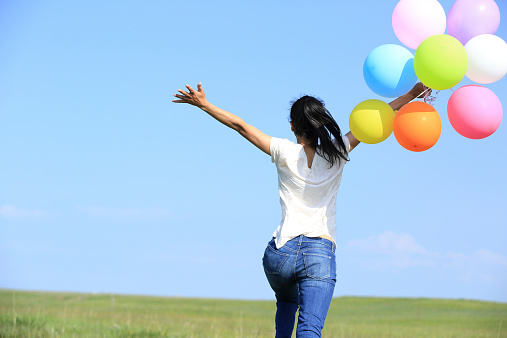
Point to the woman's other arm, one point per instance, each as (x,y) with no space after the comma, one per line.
(198,98)
(417,91)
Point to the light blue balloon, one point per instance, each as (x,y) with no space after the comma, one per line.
(389,70)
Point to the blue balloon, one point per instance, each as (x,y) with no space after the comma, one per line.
(389,70)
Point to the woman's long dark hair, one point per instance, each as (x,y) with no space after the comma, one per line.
(311,120)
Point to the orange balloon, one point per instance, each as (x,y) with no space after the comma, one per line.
(417,126)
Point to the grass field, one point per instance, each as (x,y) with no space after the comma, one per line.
(43,314)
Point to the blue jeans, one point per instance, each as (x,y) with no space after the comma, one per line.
(302,274)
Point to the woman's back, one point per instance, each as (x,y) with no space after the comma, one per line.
(307,195)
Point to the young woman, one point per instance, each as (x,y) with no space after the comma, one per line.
(299,261)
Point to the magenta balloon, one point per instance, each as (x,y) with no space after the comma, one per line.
(469,18)
(474,111)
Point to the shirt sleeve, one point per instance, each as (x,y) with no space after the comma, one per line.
(346,142)
(276,149)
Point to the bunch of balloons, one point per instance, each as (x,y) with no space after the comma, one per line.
(440,62)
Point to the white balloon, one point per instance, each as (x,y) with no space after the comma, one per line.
(487,58)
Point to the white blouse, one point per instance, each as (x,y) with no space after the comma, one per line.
(307,195)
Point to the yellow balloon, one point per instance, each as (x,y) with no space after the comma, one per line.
(371,121)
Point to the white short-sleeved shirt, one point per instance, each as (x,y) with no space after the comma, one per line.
(307,195)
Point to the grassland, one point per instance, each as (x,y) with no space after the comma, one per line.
(43,314)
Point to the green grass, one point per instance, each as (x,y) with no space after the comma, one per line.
(44,314)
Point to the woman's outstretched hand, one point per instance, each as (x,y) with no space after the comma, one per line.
(194,97)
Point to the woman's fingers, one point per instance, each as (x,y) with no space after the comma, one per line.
(182,98)
(425,91)
(191,97)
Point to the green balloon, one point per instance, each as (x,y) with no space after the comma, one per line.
(440,62)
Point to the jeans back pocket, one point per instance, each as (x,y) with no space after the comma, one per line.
(273,261)
(317,266)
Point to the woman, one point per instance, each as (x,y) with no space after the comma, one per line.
(299,261)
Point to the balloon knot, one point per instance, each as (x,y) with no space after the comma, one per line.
(430,97)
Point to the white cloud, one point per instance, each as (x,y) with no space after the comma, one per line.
(389,250)
(15,213)
(124,214)
(388,243)
(486,256)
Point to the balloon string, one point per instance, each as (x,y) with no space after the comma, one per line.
(428,98)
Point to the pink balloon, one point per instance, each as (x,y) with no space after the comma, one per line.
(415,20)
(474,111)
(469,18)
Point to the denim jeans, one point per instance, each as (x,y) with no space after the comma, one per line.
(302,274)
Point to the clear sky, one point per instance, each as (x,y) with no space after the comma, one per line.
(107,186)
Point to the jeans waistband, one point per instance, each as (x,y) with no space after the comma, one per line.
(302,238)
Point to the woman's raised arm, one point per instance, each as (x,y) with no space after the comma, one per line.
(198,98)
(419,90)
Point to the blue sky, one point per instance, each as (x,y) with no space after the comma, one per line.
(107,186)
